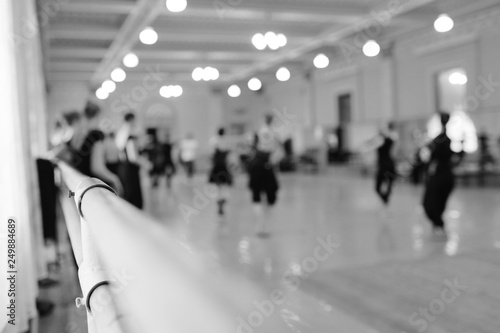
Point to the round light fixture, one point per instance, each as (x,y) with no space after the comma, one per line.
(259,41)
(166,92)
(176,6)
(254,84)
(443,23)
(108,86)
(371,48)
(148,36)
(176,91)
(234,91)
(213,73)
(281,40)
(101,94)
(131,60)
(118,75)
(321,61)
(283,74)
(197,74)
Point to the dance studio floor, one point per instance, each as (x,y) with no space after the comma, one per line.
(383,267)
(379,270)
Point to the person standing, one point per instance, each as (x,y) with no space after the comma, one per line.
(129,168)
(170,169)
(155,154)
(262,174)
(91,154)
(220,174)
(441,179)
(188,151)
(386,166)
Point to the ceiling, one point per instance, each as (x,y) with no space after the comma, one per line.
(86,39)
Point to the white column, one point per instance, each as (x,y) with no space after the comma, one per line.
(16,171)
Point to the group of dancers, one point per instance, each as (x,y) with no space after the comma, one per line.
(266,152)
(439,161)
(114,158)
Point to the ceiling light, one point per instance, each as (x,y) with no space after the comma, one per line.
(281,40)
(108,86)
(234,91)
(259,41)
(176,90)
(321,61)
(212,73)
(198,74)
(176,6)
(131,60)
(148,36)
(101,94)
(118,75)
(371,48)
(443,23)
(207,75)
(283,74)
(166,91)
(270,37)
(254,84)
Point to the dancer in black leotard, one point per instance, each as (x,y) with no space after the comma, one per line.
(441,178)
(220,174)
(262,173)
(386,167)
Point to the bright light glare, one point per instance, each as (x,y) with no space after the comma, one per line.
(118,75)
(234,91)
(458,78)
(443,23)
(198,74)
(176,91)
(460,128)
(270,37)
(148,36)
(131,60)
(254,84)
(165,92)
(259,41)
(282,40)
(101,94)
(205,74)
(321,61)
(176,6)
(283,74)
(213,73)
(371,48)
(108,86)
(171,91)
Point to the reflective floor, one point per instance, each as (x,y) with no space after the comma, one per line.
(329,236)
(334,260)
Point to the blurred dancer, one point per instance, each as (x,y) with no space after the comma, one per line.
(155,154)
(170,169)
(126,141)
(262,173)
(92,152)
(386,167)
(188,150)
(220,174)
(441,179)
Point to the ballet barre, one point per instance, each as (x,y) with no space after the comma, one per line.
(140,276)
